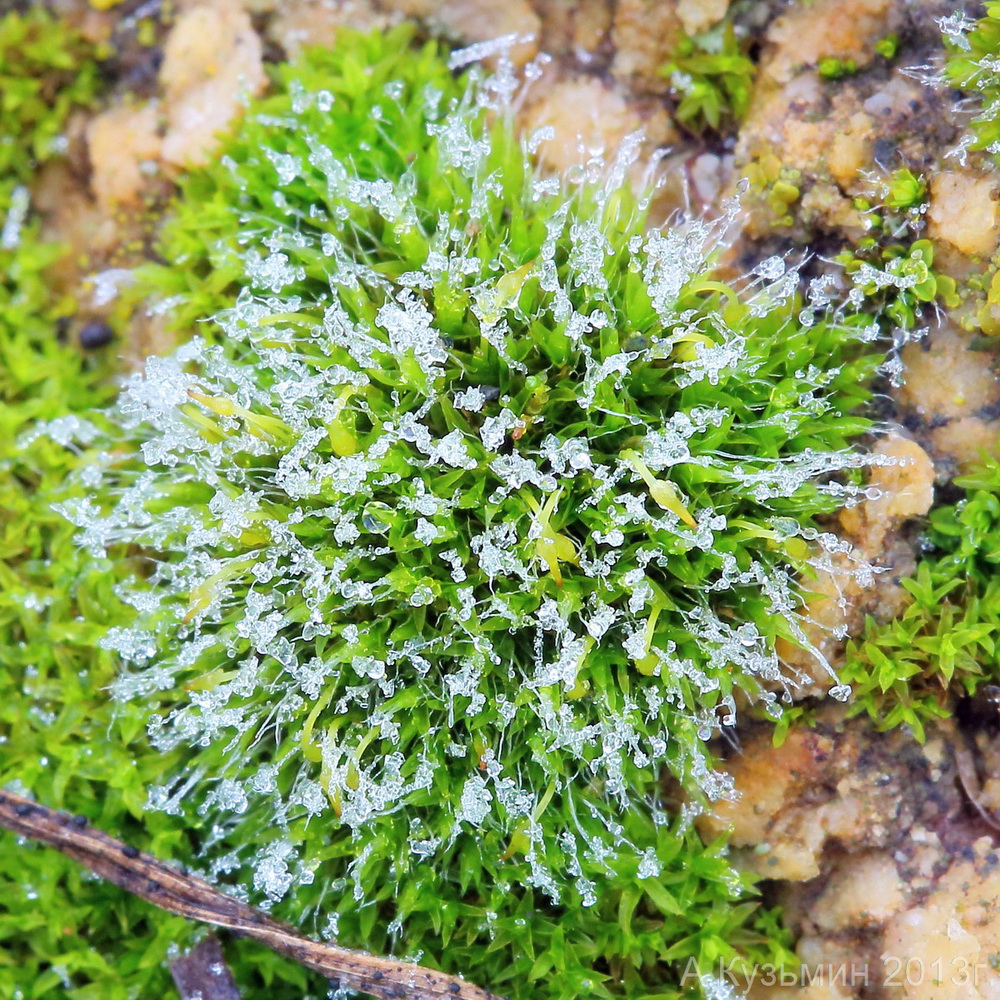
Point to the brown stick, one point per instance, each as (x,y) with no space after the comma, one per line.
(175,891)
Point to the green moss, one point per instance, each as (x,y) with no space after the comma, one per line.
(892,269)
(46,69)
(775,185)
(986,289)
(945,643)
(832,68)
(62,933)
(898,280)
(906,190)
(888,47)
(973,50)
(203,238)
(712,77)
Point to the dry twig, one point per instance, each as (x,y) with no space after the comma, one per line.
(968,780)
(176,891)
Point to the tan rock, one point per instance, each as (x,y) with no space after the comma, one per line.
(867,891)
(837,597)
(851,149)
(700,15)
(805,142)
(968,441)
(842,29)
(121,141)
(825,987)
(833,603)
(906,488)
(589,119)
(989,796)
(894,98)
(577,28)
(411,8)
(72,217)
(767,779)
(148,336)
(929,955)
(902,899)
(298,23)
(963,211)
(645,34)
(212,61)
(770,114)
(944,377)
(915,911)
(472,21)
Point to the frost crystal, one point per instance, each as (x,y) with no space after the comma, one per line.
(17,213)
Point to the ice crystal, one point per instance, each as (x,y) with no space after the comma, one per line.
(17,213)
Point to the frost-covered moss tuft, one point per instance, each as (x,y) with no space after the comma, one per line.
(471,514)
(972,65)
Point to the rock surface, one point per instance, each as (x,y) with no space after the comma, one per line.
(888,875)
